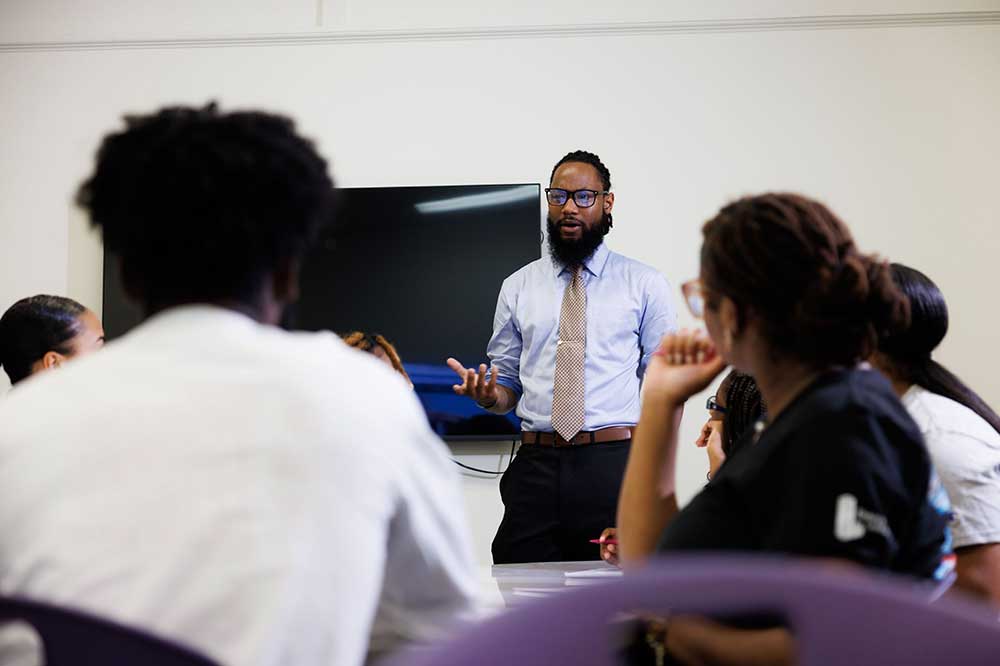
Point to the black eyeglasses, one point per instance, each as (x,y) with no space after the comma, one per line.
(582,198)
(713,405)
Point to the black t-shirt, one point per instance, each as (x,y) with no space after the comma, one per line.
(842,472)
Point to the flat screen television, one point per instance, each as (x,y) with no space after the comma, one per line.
(423,267)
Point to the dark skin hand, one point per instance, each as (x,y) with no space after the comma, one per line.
(488,394)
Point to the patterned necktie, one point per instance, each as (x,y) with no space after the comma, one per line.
(568,389)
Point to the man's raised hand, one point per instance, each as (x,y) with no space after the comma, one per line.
(474,384)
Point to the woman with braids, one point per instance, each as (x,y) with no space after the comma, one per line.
(962,432)
(733,412)
(376,345)
(43,332)
(839,471)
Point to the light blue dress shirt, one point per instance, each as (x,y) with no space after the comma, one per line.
(629,310)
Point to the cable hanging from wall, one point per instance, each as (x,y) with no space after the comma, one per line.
(510,459)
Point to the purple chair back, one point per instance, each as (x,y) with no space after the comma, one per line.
(77,638)
(838,616)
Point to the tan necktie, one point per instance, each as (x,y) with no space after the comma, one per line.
(568,388)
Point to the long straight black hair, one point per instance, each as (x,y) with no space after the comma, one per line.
(910,350)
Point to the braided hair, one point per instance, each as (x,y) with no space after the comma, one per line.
(594,161)
(794,264)
(370,341)
(744,407)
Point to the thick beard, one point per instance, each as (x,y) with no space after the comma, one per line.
(575,252)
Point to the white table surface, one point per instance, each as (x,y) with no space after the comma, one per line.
(507,585)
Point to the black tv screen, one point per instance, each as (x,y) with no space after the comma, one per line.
(421,266)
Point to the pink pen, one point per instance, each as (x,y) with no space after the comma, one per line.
(613,542)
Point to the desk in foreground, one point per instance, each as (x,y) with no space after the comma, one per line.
(507,585)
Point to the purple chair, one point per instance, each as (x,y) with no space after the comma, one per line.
(837,616)
(77,638)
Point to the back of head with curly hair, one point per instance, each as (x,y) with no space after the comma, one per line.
(203,206)
(792,264)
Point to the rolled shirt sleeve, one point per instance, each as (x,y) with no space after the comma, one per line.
(659,317)
(504,349)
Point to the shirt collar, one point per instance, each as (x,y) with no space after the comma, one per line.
(594,263)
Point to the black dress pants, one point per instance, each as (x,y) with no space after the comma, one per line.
(557,499)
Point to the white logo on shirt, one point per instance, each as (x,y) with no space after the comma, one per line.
(852,522)
(846,526)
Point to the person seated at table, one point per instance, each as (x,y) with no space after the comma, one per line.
(376,345)
(962,432)
(262,496)
(839,470)
(733,411)
(44,332)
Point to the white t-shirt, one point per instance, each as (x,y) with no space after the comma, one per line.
(965,450)
(264,497)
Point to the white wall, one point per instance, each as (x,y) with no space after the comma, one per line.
(887,114)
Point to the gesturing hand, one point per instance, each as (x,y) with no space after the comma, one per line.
(685,364)
(474,384)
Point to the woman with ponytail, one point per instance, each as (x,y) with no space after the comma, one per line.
(839,469)
(962,432)
(43,332)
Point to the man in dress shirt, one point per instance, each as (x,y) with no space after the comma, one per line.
(572,335)
(264,497)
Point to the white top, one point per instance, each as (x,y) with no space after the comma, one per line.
(965,450)
(264,497)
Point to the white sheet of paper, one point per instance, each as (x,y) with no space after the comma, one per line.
(595,573)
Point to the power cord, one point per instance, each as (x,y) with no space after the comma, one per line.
(513,444)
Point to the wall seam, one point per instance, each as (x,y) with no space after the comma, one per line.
(840,22)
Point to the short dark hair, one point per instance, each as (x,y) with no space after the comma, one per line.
(793,263)
(594,161)
(34,326)
(587,158)
(909,351)
(201,205)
